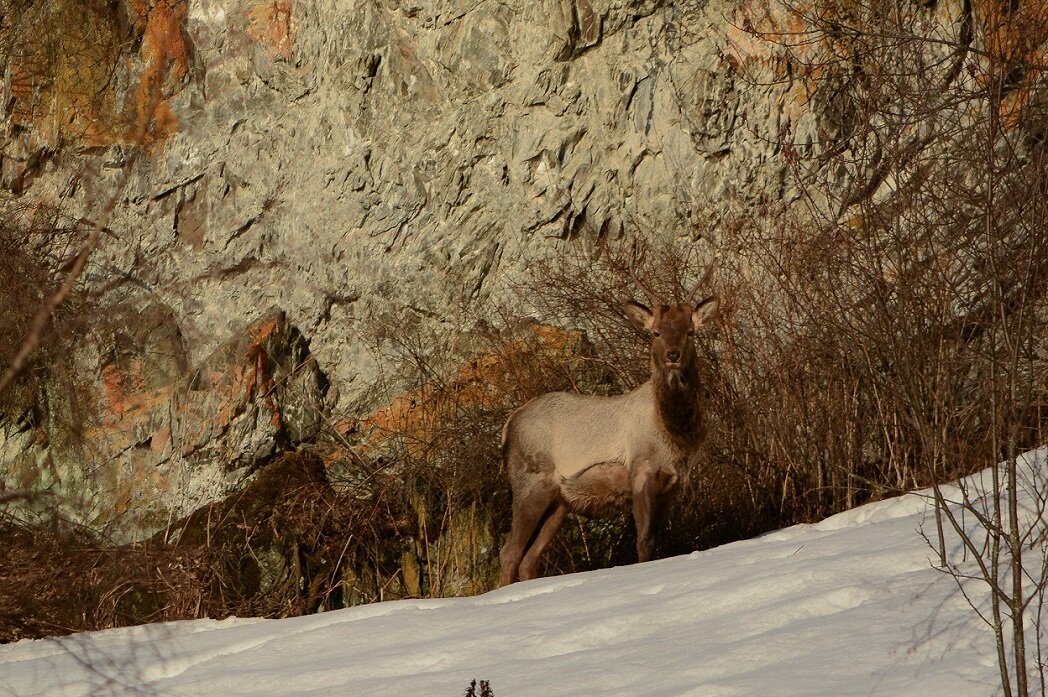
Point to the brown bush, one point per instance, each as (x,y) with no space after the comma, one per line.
(278,548)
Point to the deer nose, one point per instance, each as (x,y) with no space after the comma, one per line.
(673,356)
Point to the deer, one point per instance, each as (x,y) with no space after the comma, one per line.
(593,455)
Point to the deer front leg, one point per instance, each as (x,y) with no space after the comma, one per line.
(652,490)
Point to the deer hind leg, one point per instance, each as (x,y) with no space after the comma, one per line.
(554,519)
(529,511)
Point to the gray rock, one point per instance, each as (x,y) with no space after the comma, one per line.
(151,440)
(337,158)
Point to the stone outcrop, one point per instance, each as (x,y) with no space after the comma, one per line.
(274,543)
(153,439)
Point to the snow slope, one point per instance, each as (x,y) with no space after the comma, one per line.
(850,606)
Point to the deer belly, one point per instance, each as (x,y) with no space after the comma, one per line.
(597,491)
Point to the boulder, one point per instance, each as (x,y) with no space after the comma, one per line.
(149,438)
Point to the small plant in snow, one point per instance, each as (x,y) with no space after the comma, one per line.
(485,689)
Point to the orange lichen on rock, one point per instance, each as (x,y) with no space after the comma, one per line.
(165,56)
(66,79)
(60,77)
(1015,32)
(126,396)
(262,330)
(128,409)
(272,25)
(761,32)
(112,383)
(1009,42)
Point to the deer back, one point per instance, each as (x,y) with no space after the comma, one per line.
(573,432)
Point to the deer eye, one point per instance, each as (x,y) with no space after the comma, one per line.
(655,332)
(691,332)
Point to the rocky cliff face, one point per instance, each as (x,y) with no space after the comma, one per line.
(152,437)
(328,157)
(333,158)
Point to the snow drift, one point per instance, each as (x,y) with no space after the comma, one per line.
(849,606)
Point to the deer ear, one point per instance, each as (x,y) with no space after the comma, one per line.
(640,316)
(705,311)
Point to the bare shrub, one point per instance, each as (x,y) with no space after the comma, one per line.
(270,547)
(59,579)
(278,548)
(927,270)
(35,242)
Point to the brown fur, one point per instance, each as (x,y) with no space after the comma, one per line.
(679,414)
(599,492)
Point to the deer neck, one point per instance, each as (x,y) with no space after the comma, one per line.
(677,404)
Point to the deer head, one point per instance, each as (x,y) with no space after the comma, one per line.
(672,327)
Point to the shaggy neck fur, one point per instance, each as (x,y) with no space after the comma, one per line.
(677,404)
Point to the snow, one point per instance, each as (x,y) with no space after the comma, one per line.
(849,606)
